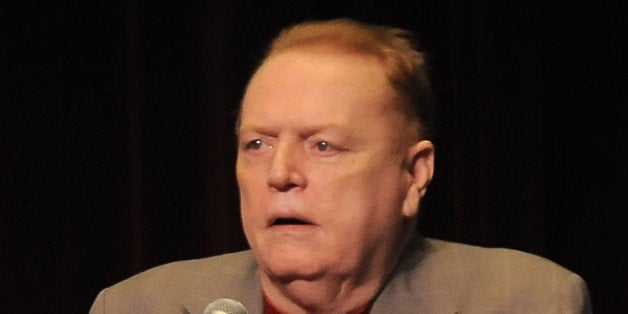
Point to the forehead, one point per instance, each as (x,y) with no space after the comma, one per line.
(320,79)
(324,63)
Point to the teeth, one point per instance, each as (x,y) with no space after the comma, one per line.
(289,221)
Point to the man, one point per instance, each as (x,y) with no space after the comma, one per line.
(333,159)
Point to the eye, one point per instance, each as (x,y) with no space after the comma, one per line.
(254,144)
(323,146)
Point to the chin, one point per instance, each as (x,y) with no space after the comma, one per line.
(290,274)
(289,267)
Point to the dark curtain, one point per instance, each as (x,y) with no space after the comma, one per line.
(117,148)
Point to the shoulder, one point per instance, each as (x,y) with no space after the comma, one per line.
(470,260)
(181,272)
(497,279)
(497,260)
(166,286)
(500,278)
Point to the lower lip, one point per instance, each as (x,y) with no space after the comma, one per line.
(293,229)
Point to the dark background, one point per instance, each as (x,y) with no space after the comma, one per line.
(117,148)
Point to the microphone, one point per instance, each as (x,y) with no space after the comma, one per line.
(225,306)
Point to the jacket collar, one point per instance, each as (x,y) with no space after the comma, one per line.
(418,284)
(241,284)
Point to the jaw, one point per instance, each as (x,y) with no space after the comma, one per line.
(301,269)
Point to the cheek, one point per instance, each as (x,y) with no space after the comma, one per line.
(251,197)
(359,194)
(369,206)
(250,179)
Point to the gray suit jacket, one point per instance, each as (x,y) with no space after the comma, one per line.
(433,276)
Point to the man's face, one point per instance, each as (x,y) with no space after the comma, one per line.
(323,166)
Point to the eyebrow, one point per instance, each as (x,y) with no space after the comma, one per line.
(332,128)
(311,129)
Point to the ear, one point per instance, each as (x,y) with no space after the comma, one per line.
(420,163)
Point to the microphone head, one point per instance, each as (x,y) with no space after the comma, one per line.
(225,306)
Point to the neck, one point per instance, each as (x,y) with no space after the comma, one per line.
(328,294)
(320,296)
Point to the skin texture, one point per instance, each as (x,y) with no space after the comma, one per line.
(330,178)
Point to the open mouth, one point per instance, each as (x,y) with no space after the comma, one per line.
(289,221)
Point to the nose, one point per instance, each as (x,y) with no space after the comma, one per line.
(286,168)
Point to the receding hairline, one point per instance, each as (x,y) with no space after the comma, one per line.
(395,48)
(343,33)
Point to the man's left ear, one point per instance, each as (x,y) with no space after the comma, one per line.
(420,160)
